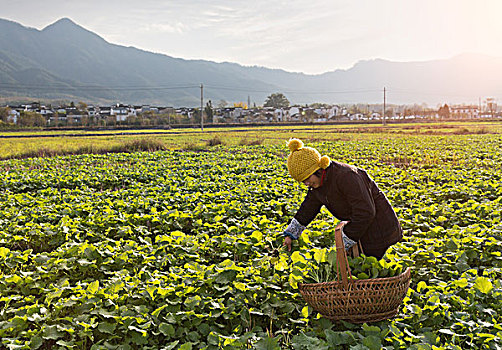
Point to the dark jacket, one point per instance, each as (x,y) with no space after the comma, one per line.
(351,195)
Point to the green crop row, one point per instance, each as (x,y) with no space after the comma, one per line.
(181,250)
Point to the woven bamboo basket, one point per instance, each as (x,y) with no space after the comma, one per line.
(356,301)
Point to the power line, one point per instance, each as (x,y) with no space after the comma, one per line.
(179,87)
(414,92)
(68,87)
(132,87)
(94,88)
(292,91)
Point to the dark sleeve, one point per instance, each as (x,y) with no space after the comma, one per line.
(308,210)
(358,196)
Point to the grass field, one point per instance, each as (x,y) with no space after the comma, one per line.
(46,143)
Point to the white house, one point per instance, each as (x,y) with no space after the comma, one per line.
(280,114)
(294,113)
(334,111)
(328,112)
(232,113)
(464,111)
(185,111)
(218,118)
(104,112)
(33,107)
(92,111)
(237,112)
(122,112)
(13,116)
(46,112)
(356,116)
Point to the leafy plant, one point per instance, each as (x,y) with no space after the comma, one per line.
(182,249)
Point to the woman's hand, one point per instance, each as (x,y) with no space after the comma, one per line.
(341,224)
(287,242)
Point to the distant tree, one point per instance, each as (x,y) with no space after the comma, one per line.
(389,113)
(82,106)
(196,116)
(277,100)
(175,118)
(221,104)
(111,120)
(444,112)
(56,118)
(4,113)
(417,109)
(309,115)
(241,105)
(147,117)
(319,105)
(354,109)
(209,111)
(92,120)
(407,112)
(491,105)
(85,120)
(31,119)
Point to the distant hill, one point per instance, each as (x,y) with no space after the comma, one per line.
(66,61)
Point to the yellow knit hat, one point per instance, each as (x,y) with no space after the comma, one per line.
(304,161)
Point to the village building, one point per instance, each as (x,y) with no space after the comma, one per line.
(462,112)
(122,112)
(156,115)
(13,116)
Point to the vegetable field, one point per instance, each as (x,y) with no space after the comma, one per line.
(182,249)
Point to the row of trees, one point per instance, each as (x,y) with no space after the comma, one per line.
(25,118)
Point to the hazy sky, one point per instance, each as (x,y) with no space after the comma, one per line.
(310,36)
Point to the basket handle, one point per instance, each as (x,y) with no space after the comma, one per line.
(357,250)
(343,269)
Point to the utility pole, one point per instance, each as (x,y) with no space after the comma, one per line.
(201,107)
(479,107)
(383,106)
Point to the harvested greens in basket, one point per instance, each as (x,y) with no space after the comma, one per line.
(323,268)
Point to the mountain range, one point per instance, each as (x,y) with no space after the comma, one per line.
(65,61)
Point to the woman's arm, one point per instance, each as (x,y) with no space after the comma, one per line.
(310,207)
(308,210)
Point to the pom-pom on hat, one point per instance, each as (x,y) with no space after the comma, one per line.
(304,161)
